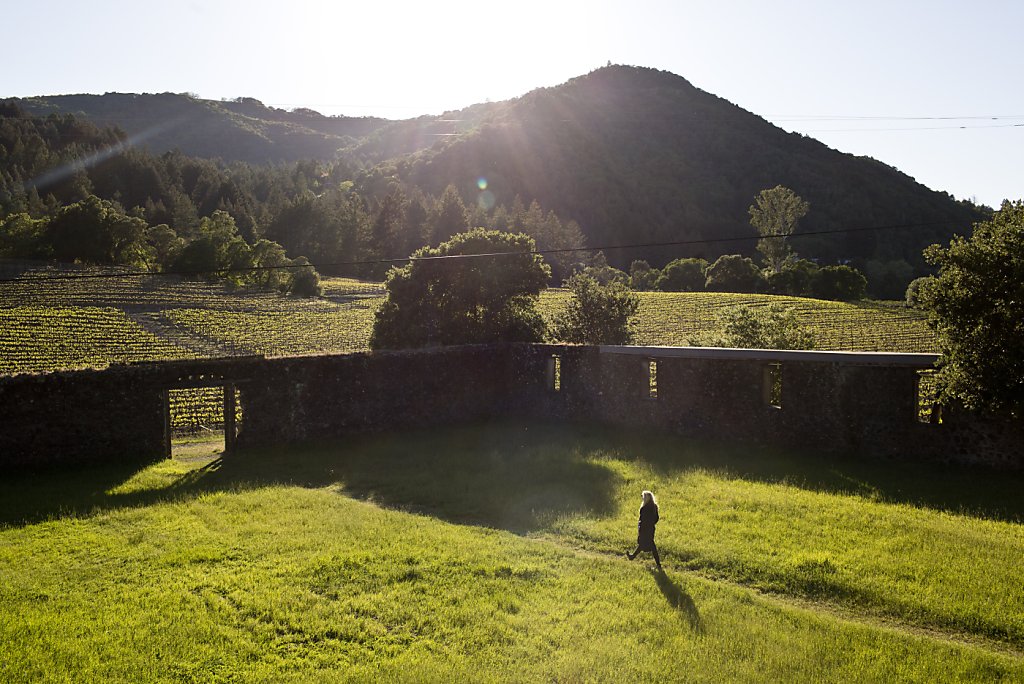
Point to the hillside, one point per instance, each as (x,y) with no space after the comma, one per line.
(638,155)
(240,130)
(633,155)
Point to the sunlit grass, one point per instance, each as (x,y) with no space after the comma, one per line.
(493,554)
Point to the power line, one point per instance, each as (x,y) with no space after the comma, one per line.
(375,262)
(983,117)
(913,128)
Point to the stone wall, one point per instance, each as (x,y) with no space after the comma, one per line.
(316,399)
(80,416)
(829,401)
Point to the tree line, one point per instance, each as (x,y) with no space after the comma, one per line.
(73,191)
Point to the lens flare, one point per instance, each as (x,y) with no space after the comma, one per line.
(481,183)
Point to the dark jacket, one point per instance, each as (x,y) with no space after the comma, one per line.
(645,528)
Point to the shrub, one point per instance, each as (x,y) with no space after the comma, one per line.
(305,282)
(598,313)
(764,327)
(916,290)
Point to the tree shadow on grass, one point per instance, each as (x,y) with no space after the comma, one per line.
(510,476)
(513,477)
(679,599)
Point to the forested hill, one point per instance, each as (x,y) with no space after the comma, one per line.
(639,155)
(634,155)
(238,130)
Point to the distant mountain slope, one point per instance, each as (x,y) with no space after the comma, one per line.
(639,155)
(634,155)
(241,130)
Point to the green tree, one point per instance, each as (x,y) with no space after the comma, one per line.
(464,299)
(565,239)
(95,231)
(841,283)
(797,278)
(734,273)
(888,279)
(775,214)
(602,272)
(23,237)
(449,216)
(268,260)
(385,233)
(683,275)
(976,306)
(217,249)
(597,313)
(642,277)
(165,243)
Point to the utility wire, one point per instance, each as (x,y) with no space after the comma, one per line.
(913,128)
(369,262)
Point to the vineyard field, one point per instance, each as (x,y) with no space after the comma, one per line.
(49,324)
(680,319)
(37,339)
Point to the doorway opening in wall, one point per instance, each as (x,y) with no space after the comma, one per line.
(195,423)
(652,378)
(929,410)
(771,385)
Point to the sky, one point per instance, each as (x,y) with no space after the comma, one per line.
(932,88)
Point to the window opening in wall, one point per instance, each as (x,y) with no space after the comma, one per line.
(652,375)
(928,408)
(771,388)
(555,373)
(196,424)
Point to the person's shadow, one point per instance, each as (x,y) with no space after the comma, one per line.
(678,599)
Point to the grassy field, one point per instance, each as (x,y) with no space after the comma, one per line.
(495,554)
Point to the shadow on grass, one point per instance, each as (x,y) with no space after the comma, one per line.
(976,491)
(678,599)
(510,476)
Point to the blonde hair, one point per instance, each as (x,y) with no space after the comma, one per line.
(648,496)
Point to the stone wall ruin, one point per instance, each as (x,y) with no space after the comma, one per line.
(858,403)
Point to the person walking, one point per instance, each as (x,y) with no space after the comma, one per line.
(645,528)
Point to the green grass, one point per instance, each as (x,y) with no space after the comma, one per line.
(493,554)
